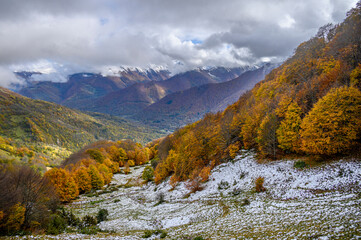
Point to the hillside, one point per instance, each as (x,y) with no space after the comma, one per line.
(39,121)
(184,107)
(309,106)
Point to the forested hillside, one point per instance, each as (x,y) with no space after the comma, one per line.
(39,121)
(310,105)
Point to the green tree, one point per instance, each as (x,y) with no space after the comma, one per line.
(266,136)
(334,123)
(148,173)
(97,180)
(96,154)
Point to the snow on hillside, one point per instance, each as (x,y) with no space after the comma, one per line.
(320,202)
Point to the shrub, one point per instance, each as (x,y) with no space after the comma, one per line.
(70,218)
(300,164)
(56,225)
(194,185)
(131,163)
(245,202)
(88,221)
(259,184)
(223,185)
(90,230)
(236,191)
(198,238)
(159,198)
(102,215)
(126,168)
(154,162)
(148,173)
(205,172)
(149,233)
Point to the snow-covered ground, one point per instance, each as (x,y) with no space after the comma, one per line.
(322,202)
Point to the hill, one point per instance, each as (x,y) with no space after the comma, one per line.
(309,106)
(184,107)
(39,121)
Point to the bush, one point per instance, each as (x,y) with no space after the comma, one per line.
(198,238)
(88,221)
(154,162)
(300,164)
(259,184)
(70,218)
(102,215)
(194,185)
(245,202)
(223,185)
(149,233)
(90,230)
(56,225)
(131,163)
(236,191)
(159,198)
(148,173)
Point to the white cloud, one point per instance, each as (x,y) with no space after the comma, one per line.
(287,22)
(7,77)
(91,34)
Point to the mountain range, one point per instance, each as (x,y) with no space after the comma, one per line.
(150,95)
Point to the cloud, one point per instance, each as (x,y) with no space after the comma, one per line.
(179,35)
(7,77)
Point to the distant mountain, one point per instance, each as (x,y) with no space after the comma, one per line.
(84,87)
(187,106)
(39,121)
(134,99)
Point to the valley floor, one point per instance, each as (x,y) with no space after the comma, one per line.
(322,202)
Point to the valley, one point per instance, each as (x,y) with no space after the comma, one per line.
(199,122)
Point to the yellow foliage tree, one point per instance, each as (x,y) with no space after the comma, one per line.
(83,180)
(97,180)
(355,76)
(288,131)
(105,172)
(15,219)
(334,123)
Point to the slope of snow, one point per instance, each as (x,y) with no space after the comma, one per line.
(322,202)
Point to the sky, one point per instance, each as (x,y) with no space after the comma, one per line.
(68,36)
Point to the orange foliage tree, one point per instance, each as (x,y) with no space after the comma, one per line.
(334,124)
(64,184)
(83,180)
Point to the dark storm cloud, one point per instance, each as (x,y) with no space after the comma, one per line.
(176,34)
